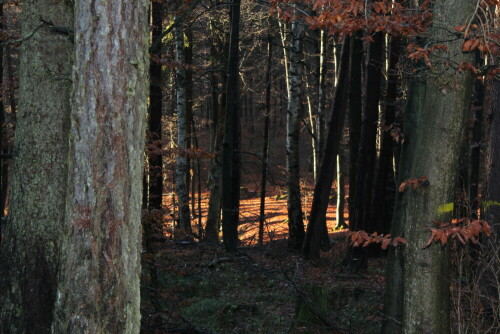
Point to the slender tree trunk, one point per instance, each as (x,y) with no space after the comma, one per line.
(323,69)
(340,191)
(30,253)
(155,184)
(218,112)
(317,219)
(294,203)
(153,178)
(381,207)
(188,84)
(99,289)
(355,75)
(231,145)
(182,167)
(265,147)
(439,135)
(367,149)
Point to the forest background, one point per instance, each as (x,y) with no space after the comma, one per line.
(377,117)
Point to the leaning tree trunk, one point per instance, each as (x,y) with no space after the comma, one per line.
(182,166)
(32,239)
(99,284)
(317,219)
(294,203)
(438,136)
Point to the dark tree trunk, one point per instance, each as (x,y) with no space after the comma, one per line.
(367,149)
(294,202)
(182,167)
(492,195)
(218,114)
(155,184)
(381,199)
(439,137)
(393,299)
(30,253)
(355,99)
(3,139)
(188,84)
(356,257)
(265,145)
(475,144)
(317,221)
(231,145)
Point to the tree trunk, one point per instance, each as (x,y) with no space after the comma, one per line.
(4,166)
(33,234)
(218,111)
(294,203)
(340,191)
(381,207)
(182,167)
(394,284)
(492,196)
(439,135)
(265,145)
(99,288)
(317,219)
(231,145)
(155,184)
(355,99)
(367,149)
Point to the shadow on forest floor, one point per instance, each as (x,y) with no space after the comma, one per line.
(199,288)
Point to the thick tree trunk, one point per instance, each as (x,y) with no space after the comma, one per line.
(4,166)
(438,136)
(394,284)
(33,234)
(182,167)
(294,203)
(317,219)
(492,195)
(231,145)
(99,287)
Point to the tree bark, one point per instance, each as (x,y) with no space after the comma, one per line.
(294,203)
(355,99)
(182,166)
(492,195)
(218,114)
(33,234)
(317,219)
(439,135)
(265,145)
(99,288)
(381,207)
(155,184)
(231,145)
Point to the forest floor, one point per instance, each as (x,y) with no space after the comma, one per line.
(196,287)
